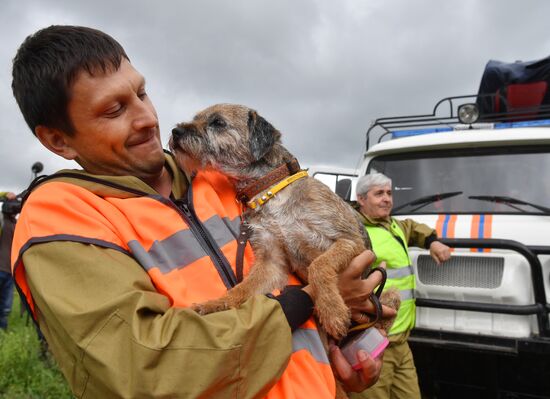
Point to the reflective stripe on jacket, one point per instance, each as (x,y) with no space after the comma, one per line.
(390,246)
(187,246)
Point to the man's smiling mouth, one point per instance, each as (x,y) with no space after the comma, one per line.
(143,139)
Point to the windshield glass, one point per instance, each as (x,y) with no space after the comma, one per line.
(496,176)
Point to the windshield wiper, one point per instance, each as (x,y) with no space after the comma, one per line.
(428,199)
(510,202)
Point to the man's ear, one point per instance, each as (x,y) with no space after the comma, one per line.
(56,141)
(262,135)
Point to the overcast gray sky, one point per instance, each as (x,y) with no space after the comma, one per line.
(319,70)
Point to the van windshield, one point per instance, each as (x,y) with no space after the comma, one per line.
(477,180)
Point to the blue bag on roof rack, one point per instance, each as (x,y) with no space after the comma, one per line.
(508,87)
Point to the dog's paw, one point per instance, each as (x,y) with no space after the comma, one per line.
(335,320)
(390,298)
(336,328)
(215,305)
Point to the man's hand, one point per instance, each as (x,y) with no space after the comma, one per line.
(439,252)
(355,381)
(356,291)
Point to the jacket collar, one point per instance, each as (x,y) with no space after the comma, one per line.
(116,186)
(386,223)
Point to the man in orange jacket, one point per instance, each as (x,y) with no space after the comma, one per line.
(109,258)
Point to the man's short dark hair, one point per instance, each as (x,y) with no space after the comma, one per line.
(46,65)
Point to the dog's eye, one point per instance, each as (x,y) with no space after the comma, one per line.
(217,123)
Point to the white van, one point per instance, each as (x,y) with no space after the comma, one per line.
(482,326)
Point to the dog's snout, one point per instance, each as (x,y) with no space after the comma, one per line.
(179,132)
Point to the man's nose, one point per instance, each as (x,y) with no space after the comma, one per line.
(146,116)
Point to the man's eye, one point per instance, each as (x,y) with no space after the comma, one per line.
(142,95)
(113,111)
(217,123)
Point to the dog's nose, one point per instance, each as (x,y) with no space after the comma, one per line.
(178,132)
(183,130)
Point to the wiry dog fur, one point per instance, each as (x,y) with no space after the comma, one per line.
(305,228)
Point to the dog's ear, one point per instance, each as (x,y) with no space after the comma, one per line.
(262,135)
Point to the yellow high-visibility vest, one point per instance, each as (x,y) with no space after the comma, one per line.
(390,246)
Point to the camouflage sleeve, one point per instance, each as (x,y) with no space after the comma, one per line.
(114,335)
(417,234)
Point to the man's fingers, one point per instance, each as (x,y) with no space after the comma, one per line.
(360,263)
(375,278)
(369,308)
(355,381)
(362,316)
(370,367)
(340,364)
(366,287)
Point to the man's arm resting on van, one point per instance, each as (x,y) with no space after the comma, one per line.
(439,252)
(113,334)
(417,234)
(423,236)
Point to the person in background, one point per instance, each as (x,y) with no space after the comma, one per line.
(109,258)
(390,239)
(6,280)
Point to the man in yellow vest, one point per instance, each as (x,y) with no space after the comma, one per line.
(109,258)
(390,240)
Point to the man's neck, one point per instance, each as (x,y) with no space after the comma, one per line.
(162,184)
(373,220)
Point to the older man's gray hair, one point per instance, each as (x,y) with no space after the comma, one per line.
(365,183)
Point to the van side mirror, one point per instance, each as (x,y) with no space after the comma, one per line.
(343,189)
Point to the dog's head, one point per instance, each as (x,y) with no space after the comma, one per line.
(224,137)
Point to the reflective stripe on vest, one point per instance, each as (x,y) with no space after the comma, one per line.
(153,231)
(388,249)
(304,338)
(399,273)
(181,249)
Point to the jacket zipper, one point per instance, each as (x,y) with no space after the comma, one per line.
(185,206)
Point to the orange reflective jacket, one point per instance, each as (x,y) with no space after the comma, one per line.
(187,246)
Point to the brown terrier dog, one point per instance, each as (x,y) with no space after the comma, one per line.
(304,228)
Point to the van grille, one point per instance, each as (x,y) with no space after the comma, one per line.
(462,271)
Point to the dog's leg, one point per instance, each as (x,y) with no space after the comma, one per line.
(268,273)
(323,272)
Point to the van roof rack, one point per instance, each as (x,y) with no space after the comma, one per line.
(443,119)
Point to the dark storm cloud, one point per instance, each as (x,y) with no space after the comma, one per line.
(318,70)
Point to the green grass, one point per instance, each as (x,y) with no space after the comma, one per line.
(25,371)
